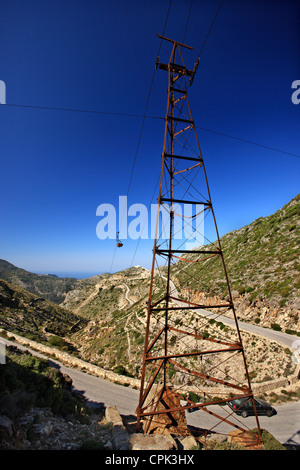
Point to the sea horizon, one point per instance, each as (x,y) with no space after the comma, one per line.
(76,274)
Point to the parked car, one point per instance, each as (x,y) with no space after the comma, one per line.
(244,407)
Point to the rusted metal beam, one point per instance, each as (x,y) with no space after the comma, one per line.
(145,394)
(176,68)
(182,157)
(175,42)
(158,301)
(209,252)
(185,201)
(160,309)
(210,378)
(192,354)
(201,337)
(173,118)
(153,342)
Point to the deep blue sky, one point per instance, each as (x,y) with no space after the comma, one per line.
(58,166)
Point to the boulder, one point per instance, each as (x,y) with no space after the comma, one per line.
(151,442)
(6,428)
(189,442)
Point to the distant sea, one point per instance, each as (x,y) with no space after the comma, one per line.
(77,275)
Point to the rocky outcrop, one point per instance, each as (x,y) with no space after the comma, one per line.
(263,312)
(6,428)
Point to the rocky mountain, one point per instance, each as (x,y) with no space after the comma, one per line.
(48,286)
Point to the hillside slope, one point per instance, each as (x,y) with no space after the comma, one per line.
(263,265)
(114,336)
(262,261)
(49,286)
(115,307)
(31,316)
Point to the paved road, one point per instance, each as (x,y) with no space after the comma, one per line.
(96,390)
(285,426)
(283,338)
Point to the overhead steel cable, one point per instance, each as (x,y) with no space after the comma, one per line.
(211,27)
(248,141)
(187,21)
(77,110)
(142,126)
(147,103)
(108,113)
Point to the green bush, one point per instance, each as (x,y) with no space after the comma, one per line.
(29,379)
(291,332)
(249,289)
(121,370)
(91,444)
(269,441)
(58,342)
(226,446)
(194,397)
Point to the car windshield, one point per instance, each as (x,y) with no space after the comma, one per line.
(238,401)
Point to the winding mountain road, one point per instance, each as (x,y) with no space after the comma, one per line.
(285,425)
(278,336)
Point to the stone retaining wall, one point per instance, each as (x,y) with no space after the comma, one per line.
(72,361)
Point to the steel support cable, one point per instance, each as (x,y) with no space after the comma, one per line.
(147,103)
(142,126)
(78,110)
(206,321)
(187,21)
(189,276)
(211,27)
(248,141)
(188,224)
(107,113)
(190,185)
(183,242)
(138,242)
(135,157)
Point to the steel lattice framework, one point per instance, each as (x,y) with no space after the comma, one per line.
(191,360)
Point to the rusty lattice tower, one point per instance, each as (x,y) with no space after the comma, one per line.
(191,359)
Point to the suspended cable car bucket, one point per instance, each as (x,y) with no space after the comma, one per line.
(119,243)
